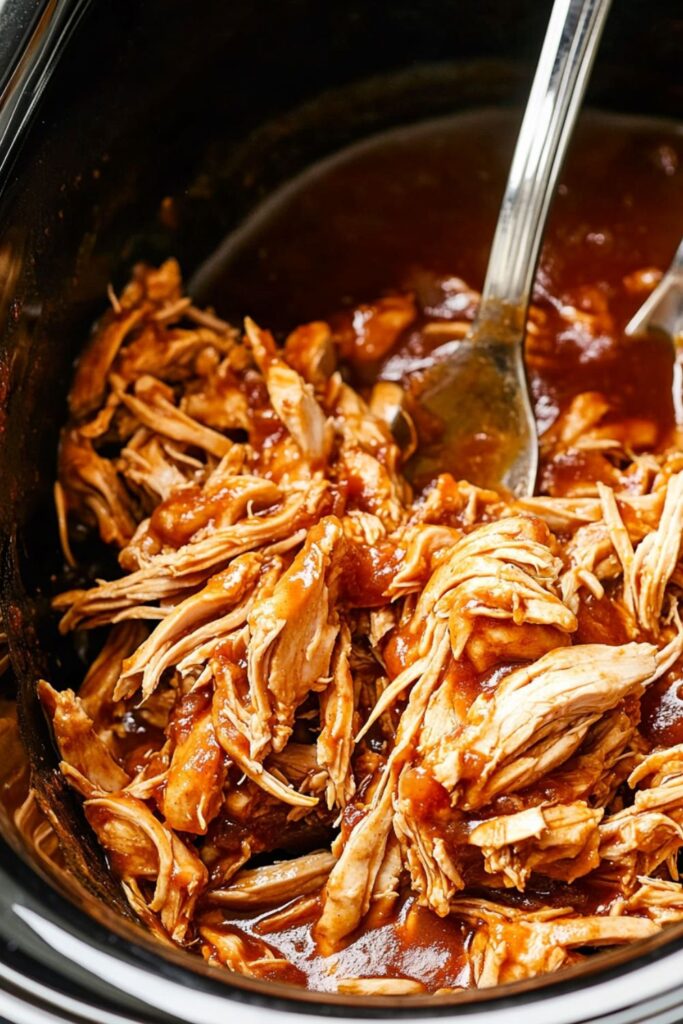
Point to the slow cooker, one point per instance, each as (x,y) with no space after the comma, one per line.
(106,111)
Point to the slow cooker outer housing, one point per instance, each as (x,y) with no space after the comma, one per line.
(150,99)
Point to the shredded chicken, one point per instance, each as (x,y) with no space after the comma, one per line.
(510,945)
(329,704)
(276,882)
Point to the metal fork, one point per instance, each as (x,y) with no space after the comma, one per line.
(663,308)
(477,387)
(662,313)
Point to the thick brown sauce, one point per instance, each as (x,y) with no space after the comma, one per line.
(412,942)
(662,709)
(393,213)
(426,199)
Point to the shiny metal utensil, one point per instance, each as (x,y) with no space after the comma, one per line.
(662,313)
(477,388)
(663,308)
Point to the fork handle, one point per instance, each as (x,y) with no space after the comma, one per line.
(33,36)
(565,62)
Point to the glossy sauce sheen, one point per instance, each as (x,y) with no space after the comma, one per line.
(425,199)
(412,943)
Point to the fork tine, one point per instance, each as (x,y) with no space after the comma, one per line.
(663,308)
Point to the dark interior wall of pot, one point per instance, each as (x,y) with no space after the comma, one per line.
(158,98)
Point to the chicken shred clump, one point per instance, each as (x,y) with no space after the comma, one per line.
(330,704)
